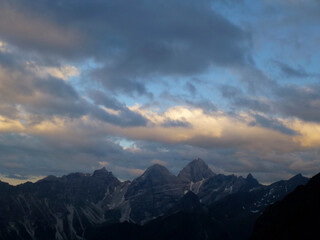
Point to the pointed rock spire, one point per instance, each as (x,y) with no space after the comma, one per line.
(100,172)
(252,181)
(298,178)
(195,171)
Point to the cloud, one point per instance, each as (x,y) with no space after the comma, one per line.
(35,93)
(288,100)
(293,72)
(124,118)
(178,37)
(63,72)
(3,47)
(297,101)
(16,179)
(271,123)
(227,142)
(191,88)
(27,29)
(175,123)
(245,101)
(115,112)
(101,98)
(212,131)
(80,78)
(22,90)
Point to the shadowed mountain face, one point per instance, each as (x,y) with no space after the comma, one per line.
(187,219)
(238,212)
(55,208)
(153,193)
(195,171)
(295,217)
(196,204)
(220,186)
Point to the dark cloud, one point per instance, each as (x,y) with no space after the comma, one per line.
(132,40)
(255,80)
(200,102)
(240,100)
(125,117)
(288,100)
(43,98)
(296,101)
(293,72)
(123,45)
(56,87)
(9,110)
(104,99)
(272,123)
(175,123)
(205,104)
(25,155)
(33,30)
(37,155)
(39,96)
(191,88)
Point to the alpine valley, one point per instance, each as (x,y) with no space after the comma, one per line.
(195,204)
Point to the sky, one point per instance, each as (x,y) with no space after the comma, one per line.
(125,84)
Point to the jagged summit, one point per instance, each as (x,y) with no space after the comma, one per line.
(157,168)
(252,181)
(156,173)
(195,171)
(153,193)
(48,178)
(101,172)
(249,177)
(297,177)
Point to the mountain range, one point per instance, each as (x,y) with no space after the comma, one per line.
(195,204)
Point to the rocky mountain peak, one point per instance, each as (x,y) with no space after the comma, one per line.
(195,171)
(156,170)
(252,181)
(249,177)
(298,177)
(153,193)
(49,178)
(100,172)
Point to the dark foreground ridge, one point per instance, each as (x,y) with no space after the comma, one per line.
(295,217)
(196,204)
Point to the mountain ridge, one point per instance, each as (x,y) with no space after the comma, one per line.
(66,207)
